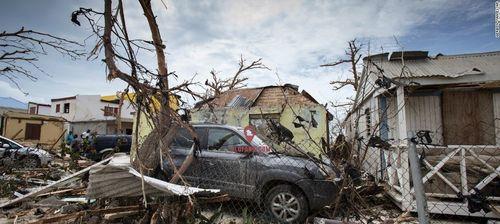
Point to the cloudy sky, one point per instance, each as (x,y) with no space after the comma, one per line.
(293,37)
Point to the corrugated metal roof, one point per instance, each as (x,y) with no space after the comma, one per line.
(452,66)
(239,101)
(119,179)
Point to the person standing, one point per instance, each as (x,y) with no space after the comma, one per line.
(69,138)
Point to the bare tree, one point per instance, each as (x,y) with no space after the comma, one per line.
(20,51)
(150,85)
(353,55)
(217,85)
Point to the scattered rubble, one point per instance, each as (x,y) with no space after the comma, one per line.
(60,194)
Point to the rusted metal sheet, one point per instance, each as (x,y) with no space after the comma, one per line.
(119,179)
(441,66)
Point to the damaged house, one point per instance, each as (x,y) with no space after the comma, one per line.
(452,104)
(296,110)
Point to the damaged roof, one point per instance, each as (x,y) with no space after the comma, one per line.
(419,64)
(248,97)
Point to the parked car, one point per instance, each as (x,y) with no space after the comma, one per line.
(107,145)
(289,187)
(30,157)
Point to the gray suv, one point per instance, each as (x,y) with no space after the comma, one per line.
(289,187)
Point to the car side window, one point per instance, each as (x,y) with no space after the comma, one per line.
(224,140)
(182,139)
(2,142)
(11,144)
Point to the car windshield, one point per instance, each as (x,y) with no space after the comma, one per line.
(13,145)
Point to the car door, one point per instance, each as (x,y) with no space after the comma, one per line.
(221,165)
(179,150)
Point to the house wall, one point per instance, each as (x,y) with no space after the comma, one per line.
(89,108)
(496,115)
(144,127)
(44,110)
(49,133)
(98,126)
(424,113)
(240,117)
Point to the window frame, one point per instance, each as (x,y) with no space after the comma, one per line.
(206,148)
(66,109)
(32,134)
(58,108)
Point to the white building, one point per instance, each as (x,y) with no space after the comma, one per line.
(94,112)
(39,108)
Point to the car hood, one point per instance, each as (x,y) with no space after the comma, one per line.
(33,151)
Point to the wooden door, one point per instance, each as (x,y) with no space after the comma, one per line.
(468,117)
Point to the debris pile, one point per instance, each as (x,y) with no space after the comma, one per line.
(107,191)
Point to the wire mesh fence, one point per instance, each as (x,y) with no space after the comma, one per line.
(456,145)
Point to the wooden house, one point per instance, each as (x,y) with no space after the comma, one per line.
(456,98)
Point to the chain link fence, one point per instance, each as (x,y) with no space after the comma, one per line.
(456,154)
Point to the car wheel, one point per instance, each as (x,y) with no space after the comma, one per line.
(287,204)
(31,162)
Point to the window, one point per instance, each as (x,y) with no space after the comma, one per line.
(58,108)
(368,122)
(32,131)
(12,145)
(110,111)
(66,108)
(259,121)
(182,139)
(224,140)
(468,117)
(32,110)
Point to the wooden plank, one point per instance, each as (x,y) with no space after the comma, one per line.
(456,208)
(401,107)
(65,180)
(424,113)
(55,143)
(445,180)
(483,162)
(486,180)
(496,116)
(59,218)
(463,172)
(436,168)
(467,118)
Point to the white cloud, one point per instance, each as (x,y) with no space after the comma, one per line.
(293,38)
(7,90)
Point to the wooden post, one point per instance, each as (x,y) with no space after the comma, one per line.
(55,143)
(401,108)
(14,136)
(463,172)
(418,185)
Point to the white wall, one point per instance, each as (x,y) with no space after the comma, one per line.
(89,108)
(44,110)
(424,113)
(68,116)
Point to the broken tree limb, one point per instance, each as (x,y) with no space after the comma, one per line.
(187,162)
